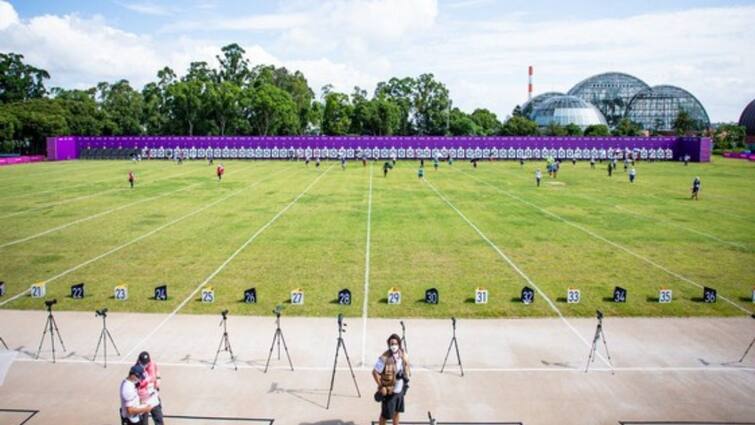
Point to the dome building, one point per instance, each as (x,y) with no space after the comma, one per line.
(536,101)
(747,120)
(564,110)
(657,107)
(610,92)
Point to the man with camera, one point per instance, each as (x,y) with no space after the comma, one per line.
(132,410)
(392,374)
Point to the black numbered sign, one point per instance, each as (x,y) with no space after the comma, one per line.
(431,296)
(344,297)
(619,295)
(250,296)
(77,291)
(709,295)
(161,293)
(2,288)
(528,295)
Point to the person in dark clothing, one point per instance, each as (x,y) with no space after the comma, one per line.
(131,178)
(610,169)
(696,188)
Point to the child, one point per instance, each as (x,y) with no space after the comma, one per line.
(538,177)
(131,178)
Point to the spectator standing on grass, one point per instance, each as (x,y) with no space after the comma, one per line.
(592,162)
(632,175)
(220,171)
(392,373)
(421,172)
(132,411)
(386,167)
(149,387)
(538,177)
(131,178)
(317,162)
(610,169)
(696,188)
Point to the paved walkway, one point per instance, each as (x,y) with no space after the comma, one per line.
(525,370)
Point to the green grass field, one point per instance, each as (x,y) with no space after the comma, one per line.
(278,226)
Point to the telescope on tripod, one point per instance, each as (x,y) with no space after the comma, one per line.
(225,342)
(52,327)
(104,336)
(340,344)
(278,338)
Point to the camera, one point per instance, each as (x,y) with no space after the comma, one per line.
(224,313)
(50,303)
(599,314)
(101,312)
(277,310)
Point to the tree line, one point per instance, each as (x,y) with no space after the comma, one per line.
(231,97)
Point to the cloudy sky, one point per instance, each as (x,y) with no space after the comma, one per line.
(479,48)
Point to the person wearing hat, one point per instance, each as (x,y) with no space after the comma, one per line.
(149,387)
(132,410)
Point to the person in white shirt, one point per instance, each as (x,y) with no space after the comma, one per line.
(538,177)
(391,373)
(132,411)
(632,175)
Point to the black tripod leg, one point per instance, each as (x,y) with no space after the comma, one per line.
(740,360)
(270,354)
(230,351)
(458,357)
(348,361)
(112,342)
(279,343)
(605,345)
(44,333)
(591,357)
(52,338)
(447,353)
(60,338)
(333,376)
(217,353)
(99,341)
(4,344)
(285,347)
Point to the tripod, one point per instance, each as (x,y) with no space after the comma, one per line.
(598,335)
(277,339)
(104,336)
(454,344)
(403,337)
(52,327)
(432,420)
(225,342)
(340,344)
(740,360)
(4,344)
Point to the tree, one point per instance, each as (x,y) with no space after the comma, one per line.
(83,115)
(336,118)
(185,104)
(486,121)
(234,67)
(519,126)
(224,105)
(37,119)
(519,112)
(572,129)
(683,123)
(729,136)
(270,111)
(400,91)
(294,84)
(461,124)
(627,127)
(597,130)
(555,129)
(122,107)
(431,106)
(19,81)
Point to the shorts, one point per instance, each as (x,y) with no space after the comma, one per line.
(392,405)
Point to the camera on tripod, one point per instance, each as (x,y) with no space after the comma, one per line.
(101,312)
(50,303)
(341,324)
(599,314)
(277,310)
(224,313)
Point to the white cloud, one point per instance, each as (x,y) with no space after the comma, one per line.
(8,15)
(147,8)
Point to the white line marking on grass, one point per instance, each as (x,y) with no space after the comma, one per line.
(517,269)
(92,217)
(651,369)
(366,272)
(91,195)
(146,235)
(608,241)
(225,263)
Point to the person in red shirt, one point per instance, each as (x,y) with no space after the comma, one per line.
(148,387)
(220,171)
(131,178)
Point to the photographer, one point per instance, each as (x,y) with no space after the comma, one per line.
(391,373)
(132,411)
(149,387)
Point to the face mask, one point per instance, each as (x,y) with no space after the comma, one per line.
(394,348)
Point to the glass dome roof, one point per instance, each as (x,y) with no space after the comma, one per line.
(748,118)
(610,92)
(536,101)
(564,110)
(657,107)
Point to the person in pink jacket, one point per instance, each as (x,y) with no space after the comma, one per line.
(149,387)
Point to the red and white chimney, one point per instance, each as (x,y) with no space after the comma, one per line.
(529,86)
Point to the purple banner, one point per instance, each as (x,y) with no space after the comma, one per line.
(256,147)
(21,160)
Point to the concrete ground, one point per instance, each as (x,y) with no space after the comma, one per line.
(522,370)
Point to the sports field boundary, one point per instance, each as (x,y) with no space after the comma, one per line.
(227,261)
(146,235)
(516,268)
(366,271)
(601,238)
